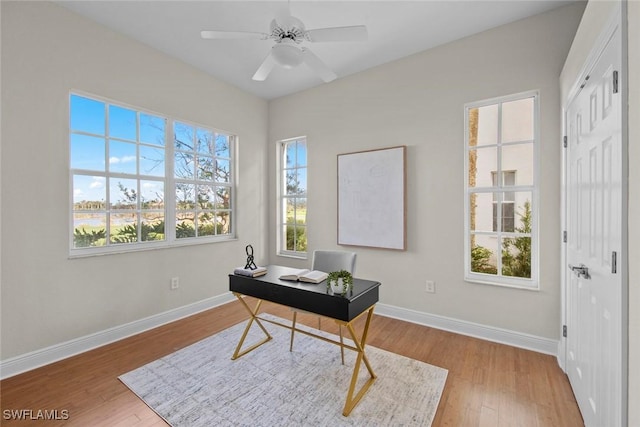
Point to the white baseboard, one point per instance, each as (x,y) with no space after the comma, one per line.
(45,356)
(502,336)
(54,353)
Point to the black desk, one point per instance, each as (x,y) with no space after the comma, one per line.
(314,298)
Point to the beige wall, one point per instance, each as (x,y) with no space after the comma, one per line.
(418,102)
(47,298)
(634,211)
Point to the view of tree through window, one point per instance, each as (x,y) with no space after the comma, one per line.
(202,171)
(501,184)
(293,224)
(122,168)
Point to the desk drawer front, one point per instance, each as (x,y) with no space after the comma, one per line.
(314,302)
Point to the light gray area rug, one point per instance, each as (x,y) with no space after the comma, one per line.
(201,386)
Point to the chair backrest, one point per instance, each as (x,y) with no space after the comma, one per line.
(329,261)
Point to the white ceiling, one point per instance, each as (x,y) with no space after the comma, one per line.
(396,29)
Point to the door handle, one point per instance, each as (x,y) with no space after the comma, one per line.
(580,271)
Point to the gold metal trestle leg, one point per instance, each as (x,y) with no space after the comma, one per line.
(353,396)
(253,318)
(352,401)
(293,329)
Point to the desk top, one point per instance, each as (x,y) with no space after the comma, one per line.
(310,297)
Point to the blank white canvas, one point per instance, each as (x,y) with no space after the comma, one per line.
(371,198)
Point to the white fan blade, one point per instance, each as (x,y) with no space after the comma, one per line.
(356,33)
(241,35)
(265,68)
(324,72)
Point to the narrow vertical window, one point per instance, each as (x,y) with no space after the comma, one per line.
(293,197)
(501,180)
(203,181)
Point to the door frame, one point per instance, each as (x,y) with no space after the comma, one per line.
(617,21)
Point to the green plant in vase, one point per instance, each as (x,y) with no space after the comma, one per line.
(340,282)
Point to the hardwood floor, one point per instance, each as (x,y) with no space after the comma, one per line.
(488,384)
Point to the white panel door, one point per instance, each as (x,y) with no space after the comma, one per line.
(594,209)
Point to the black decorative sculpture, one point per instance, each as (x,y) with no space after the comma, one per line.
(250,264)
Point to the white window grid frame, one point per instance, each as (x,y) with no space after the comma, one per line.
(532,283)
(282,197)
(197,182)
(499,216)
(169,181)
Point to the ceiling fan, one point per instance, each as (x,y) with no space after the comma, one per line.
(288,33)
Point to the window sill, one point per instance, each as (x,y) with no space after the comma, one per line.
(527,285)
(293,255)
(142,247)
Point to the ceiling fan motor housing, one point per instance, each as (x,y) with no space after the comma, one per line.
(291,28)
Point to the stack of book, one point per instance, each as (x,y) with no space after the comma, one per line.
(258,271)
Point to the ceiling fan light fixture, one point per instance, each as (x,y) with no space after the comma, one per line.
(286,55)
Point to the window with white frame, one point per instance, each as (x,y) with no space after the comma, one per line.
(501,191)
(202,173)
(292,222)
(123,164)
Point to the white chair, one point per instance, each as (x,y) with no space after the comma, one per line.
(328,261)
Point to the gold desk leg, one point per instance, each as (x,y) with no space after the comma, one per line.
(352,401)
(253,318)
(293,329)
(341,344)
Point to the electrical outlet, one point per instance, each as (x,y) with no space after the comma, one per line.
(431,287)
(175,283)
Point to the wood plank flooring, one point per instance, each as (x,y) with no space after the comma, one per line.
(489,384)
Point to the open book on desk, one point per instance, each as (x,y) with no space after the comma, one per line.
(308,276)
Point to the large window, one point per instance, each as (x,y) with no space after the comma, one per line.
(501,214)
(123,164)
(292,223)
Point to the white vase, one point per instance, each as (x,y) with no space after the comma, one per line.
(338,286)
